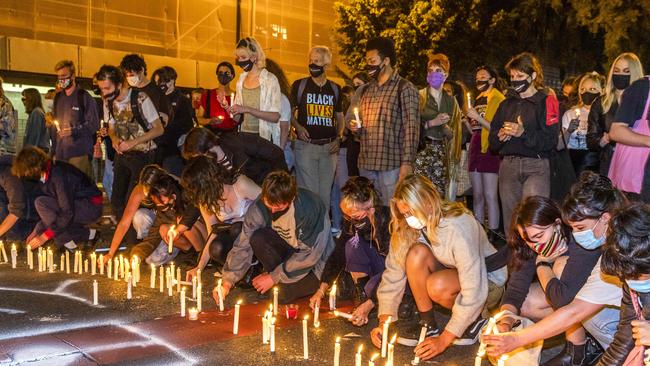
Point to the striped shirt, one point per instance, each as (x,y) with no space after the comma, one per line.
(391,123)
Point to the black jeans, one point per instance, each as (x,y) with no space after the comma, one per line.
(85,213)
(226,234)
(272,251)
(126,172)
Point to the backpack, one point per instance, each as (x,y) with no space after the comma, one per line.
(135,109)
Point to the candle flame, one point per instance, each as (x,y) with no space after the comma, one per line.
(374,357)
(338,339)
(392,340)
(239,302)
(275,290)
(306,317)
(360,348)
(389,319)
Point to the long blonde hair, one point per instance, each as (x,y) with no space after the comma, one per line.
(426,204)
(636,72)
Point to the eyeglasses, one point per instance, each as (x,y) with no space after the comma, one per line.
(247,43)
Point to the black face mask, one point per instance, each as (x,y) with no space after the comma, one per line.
(278,214)
(97,91)
(315,70)
(520,86)
(163,88)
(224,78)
(621,81)
(374,70)
(482,85)
(112,95)
(588,97)
(245,65)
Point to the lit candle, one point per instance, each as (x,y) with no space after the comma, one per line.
(502,360)
(478,360)
(81,269)
(305,341)
(372,359)
(391,351)
(75,268)
(232,99)
(265,328)
(275,301)
(193,314)
(95,293)
(50,258)
(316,313)
(272,334)
(183,302)
(337,351)
(161,279)
(170,238)
(469,100)
(220,294)
(137,268)
(178,279)
(116,271)
(62,262)
(101,264)
(58,127)
(356,117)
(172,269)
(333,297)
(342,314)
(357,357)
(577,110)
(14,255)
(235,324)
(129,288)
(152,278)
(384,337)
(4,252)
(170,282)
(30,257)
(109,269)
(199,296)
(67,262)
(122,264)
(194,287)
(86,265)
(423,333)
(93,263)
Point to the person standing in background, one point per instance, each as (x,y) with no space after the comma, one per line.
(36,133)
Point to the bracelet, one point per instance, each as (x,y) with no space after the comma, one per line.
(544,264)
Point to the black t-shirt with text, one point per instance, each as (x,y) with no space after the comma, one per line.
(317,108)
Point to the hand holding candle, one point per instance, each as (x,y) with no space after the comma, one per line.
(423,333)
(220,294)
(384,337)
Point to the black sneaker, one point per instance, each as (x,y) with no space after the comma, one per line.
(407,307)
(577,355)
(412,335)
(471,333)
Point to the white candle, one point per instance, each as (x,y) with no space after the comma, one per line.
(265,328)
(469,100)
(4,252)
(30,258)
(235,324)
(170,282)
(170,238)
(232,99)
(502,360)
(93,264)
(193,313)
(109,268)
(121,264)
(316,313)
(372,359)
(194,287)
(356,117)
(391,351)
(357,357)
(333,297)
(172,269)
(161,279)
(199,296)
(38,255)
(86,265)
(136,269)
(384,337)
(220,294)
(58,127)
(75,268)
(116,271)
(129,288)
(81,269)
(14,256)
(272,334)
(183,302)
(478,360)
(178,279)
(275,301)
(423,333)
(152,278)
(95,293)
(101,264)
(342,314)
(62,262)
(50,260)
(305,340)
(337,351)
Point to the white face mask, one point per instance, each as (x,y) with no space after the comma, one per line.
(133,80)
(414,223)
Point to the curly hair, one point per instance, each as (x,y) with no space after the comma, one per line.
(30,162)
(534,210)
(167,186)
(627,246)
(590,197)
(203,179)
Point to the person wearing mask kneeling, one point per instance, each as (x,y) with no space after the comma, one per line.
(361,249)
(442,252)
(287,229)
(70,202)
(588,210)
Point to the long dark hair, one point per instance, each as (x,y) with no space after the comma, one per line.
(167,186)
(203,179)
(627,247)
(199,141)
(275,69)
(590,197)
(32,100)
(534,210)
(499,83)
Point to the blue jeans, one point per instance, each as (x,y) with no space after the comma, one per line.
(385,182)
(340,177)
(315,167)
(602,325)
(107,180)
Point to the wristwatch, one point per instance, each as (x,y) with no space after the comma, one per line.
(545,264)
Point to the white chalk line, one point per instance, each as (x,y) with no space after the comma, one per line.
(50,293)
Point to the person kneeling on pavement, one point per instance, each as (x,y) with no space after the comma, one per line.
(361,249)
(444,254)
(287,229)
(17,211)
(176,222)
(70,200)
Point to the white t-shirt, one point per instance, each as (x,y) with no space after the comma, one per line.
(601,289)
(285,109)
(578,139)
(125,125)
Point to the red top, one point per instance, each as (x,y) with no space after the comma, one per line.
(217,111)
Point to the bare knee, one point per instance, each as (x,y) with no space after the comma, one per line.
(440,289)
(419,256)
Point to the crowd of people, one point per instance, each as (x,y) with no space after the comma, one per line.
(305,185)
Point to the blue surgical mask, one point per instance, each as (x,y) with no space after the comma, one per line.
(587,239)
(642,286)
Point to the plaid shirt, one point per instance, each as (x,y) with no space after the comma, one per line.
(391,127)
